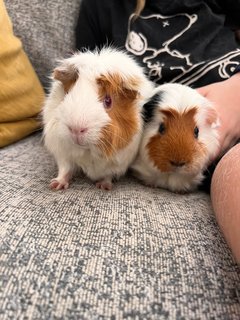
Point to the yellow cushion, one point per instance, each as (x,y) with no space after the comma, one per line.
(21,94)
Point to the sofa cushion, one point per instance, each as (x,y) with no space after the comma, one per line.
(21,94)
(46,29)
(83,253)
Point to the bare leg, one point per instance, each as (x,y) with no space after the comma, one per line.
(64,176)
(225,195)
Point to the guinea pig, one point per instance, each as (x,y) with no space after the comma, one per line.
(179,138)
(92,115)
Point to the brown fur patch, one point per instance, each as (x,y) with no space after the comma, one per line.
(67,77)
(123,113)
(178,143)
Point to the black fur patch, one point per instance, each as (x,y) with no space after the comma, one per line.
(150,106)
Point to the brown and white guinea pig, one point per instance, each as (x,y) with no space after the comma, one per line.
(92,116)
(179,139)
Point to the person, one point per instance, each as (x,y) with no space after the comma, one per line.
(194,43)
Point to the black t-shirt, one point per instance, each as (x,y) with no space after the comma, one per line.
(188,41)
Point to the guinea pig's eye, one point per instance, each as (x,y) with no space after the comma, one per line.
(162,128)
(196,132)
(107,102)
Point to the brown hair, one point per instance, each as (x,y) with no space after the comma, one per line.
(139,7)
(124,121)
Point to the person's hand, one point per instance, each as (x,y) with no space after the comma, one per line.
(225,96)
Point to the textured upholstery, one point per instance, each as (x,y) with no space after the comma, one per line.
(46,29)
(84,253)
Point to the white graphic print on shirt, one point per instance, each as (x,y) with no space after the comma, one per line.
(167,61)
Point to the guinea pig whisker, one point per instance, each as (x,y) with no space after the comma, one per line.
(106,145)
(111,145)
(115,132)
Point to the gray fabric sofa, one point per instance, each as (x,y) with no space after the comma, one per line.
(83,253)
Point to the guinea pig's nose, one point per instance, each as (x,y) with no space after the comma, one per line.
(177,163)
(78,131)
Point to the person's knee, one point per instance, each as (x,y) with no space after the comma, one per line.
(225,195)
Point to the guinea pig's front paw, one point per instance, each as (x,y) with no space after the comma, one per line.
(181,192)
(150,185)
(59,184)
(104,185)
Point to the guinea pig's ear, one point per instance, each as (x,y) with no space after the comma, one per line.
(67,74)
(117,84)
(151,105)
(212,117)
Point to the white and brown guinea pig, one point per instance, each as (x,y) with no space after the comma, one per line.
(179,139)
(92,116)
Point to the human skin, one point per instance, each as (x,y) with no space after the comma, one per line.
(225,185)
(225,96)
(225,196)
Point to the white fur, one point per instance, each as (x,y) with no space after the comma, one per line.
(81,108)
(180,98)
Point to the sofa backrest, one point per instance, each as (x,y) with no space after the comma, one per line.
(46,29)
